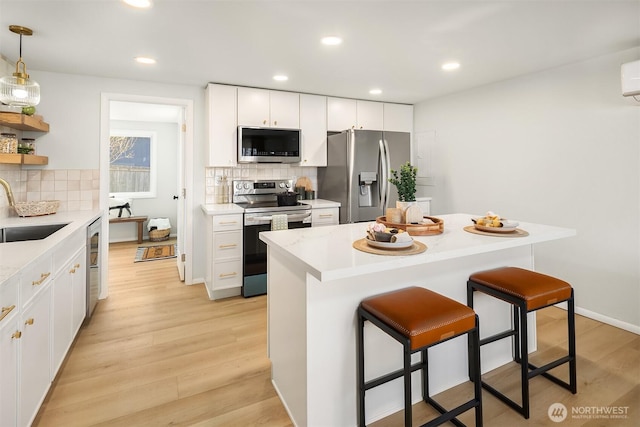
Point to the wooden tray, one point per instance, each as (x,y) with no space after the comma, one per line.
(416,229)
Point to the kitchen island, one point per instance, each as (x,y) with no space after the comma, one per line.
(316,280)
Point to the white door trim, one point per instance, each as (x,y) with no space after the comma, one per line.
(187,104)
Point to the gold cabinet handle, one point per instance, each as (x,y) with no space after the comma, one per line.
(29,321)
(325,215)
(264,122)
(43,277)
(228,222)
(233,245)
(16,335)
(275,123)
(72,271)
(76,266)
(228,274)
(6,311)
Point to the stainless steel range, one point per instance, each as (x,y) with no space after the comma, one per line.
(260,202)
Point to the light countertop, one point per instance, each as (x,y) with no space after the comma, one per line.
(327,252)
(15,256)
(321,203)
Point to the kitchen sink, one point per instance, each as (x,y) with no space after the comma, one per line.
(29,232)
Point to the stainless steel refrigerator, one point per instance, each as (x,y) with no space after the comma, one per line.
(357,172)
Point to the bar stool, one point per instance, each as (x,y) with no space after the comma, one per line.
(527,291)
(418,319)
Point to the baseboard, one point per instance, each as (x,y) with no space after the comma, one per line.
(608,320)
(604,319)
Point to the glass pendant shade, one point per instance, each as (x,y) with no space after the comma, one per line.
(18,91)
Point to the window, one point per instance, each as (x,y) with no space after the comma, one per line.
(132,164)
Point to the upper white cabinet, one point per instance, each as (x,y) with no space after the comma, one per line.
(223,128)
(313,122)
(398,117)
(341,114)
(369,115)
(261,107)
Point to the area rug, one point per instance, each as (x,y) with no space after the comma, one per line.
(153,253)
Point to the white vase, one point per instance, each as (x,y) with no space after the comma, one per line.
(411,211)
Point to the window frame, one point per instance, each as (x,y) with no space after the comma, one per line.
(152,135)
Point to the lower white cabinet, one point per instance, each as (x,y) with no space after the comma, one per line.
(324,216)
(35,377)
(224,256)
(10,334)
(42,309)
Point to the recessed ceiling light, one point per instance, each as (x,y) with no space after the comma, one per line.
(138,3)
(375,91)
(280,78)
(331,40)
(145,60)
(450,66)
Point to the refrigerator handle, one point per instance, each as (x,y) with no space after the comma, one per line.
(384,160)
(351,156)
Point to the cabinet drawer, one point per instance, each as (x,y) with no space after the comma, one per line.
(325,216)
(227,244)
(227,222)
(227,274)
(66,249)
(34,278)
(8,300)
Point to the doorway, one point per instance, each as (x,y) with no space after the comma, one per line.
(150,116)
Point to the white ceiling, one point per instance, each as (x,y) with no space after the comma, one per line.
(397,46)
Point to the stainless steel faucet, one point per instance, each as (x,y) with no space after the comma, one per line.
(7,189)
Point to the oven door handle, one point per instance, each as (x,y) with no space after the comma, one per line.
(290,217)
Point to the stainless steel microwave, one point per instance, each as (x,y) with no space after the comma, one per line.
(268,145)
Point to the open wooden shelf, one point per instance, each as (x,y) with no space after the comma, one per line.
(23,122)
(23,159)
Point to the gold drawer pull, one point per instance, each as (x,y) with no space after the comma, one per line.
(76,266)
(325,215)
(43,277)
(232,245)
(6,311)
(29,321)
(228,222)
(16,335)
(72,271)
(228,274)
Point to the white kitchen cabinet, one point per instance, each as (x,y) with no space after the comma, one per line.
(222,124)
(313,122)
(224,256)
(34,377)
(398,117)
(324,216)
(341,114)
(369,115)
(261,107)
(10,335)
(68,306)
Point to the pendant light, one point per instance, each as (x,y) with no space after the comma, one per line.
(19,89)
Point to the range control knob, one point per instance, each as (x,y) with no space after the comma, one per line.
(281,185)
(247,186)
(287,184)
(239,186)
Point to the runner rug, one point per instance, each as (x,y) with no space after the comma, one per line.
(152,253)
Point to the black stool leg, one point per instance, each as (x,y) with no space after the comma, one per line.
(360,373)
(571,322)
(474,361)
(425,374)
(524,359)
(516,337)
(407,386)
(470,344)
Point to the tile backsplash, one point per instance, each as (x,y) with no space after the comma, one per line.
(257,171)
(76,189)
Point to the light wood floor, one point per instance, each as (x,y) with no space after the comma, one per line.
(158,353)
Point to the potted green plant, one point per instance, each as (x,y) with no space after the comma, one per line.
(405,182)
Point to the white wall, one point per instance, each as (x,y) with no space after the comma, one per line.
(163,205)
(559,147)
(71,106)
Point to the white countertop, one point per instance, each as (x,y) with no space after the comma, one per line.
(327,252)
(15,256)
(230,208)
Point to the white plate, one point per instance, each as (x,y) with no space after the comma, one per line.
(505,223)
(389,245)
(495,229)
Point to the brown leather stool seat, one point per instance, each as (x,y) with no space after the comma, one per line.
(527,291)
(419,318)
